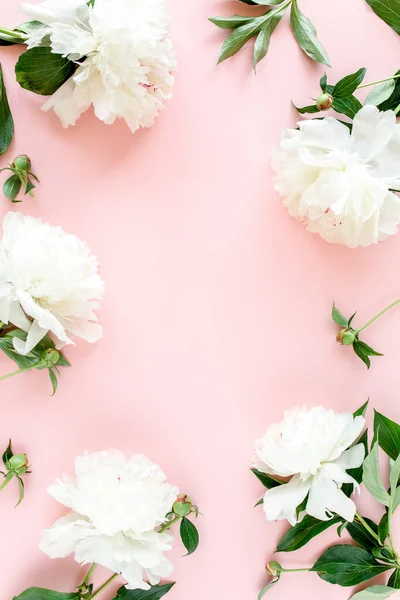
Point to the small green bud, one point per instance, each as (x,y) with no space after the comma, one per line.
(346,337)
(50,357)
(18,462)
(183,506)
(22,163)
(274,569)
(324,102)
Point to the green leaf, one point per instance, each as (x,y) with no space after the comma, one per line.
(361,536)
(306,35)
(41,71)
(367,349)
(389,435)
(53,381)
(236,40)
(29,26)
(394,100)
(263,39)
(361,354)
(230,22)
(347,106)
(21,491)
(394,581)
(388,11)
(348,85)
(361,412)
(338,317)
(375,592)
(323,82)
(42,594)
(383,529)
(29,186)
(154,593)
(299,535)
(311,109)
(357,474)
(347,565)
(6,120)
(8,453)
(372,477)
(381,92)
(266,589)
(189,536)
(12,187)
(266,480)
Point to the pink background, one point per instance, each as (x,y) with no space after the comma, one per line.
(217,311)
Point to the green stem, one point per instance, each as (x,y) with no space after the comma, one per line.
(7,480)
(379,314)
(397,110)
(10,35)
(295,570)
(18,372)
(366,526)
(364,85)
(169,524)
(89,575)
(103,587)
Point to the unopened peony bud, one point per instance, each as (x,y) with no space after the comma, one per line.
(18,462)
(51,357)
(22,163)
(183,506)
(346,337)
(324,102)
(274,569)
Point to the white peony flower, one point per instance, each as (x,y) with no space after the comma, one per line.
(117,507)
(126,57)
(314,448)
(48,283)
(339,182)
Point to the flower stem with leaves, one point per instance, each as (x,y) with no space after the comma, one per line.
(16,465)
(348,336)
(21,177)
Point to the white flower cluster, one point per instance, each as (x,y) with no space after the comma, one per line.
(313,448)
(117,507)
(124,56)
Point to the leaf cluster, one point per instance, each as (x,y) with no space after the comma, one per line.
(21,177)
(262,27)
(372,552)
(16,465)
(350,337)
(43,356)
(156,592)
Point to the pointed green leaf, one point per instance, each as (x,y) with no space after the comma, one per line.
(389,435)
(357,474)
(323,82)
(347,106)
(361,354)
(348,85)
(266,480)
(383,529)
(347,565)
(42,594)
(388,11)
(6,120)
(299,535)
(21,490)
(266,589)
(263,39)
(53,381)
(237,39)
(376,592)
(372,477)
(361,536)
(189,536)
(394,581)
(230,22)
(367,349)
(338,317)
(381,92)
(361,412)
(11,187)
(8,453)
(306,35)
(41,71)
(311,109)
(154,593)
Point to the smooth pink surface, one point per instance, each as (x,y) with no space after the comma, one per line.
(217,311)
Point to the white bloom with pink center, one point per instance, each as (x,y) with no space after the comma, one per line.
(340,183)
(313,448)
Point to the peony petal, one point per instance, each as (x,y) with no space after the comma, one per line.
(372,131)
(61,540)
(282,501)
(326,499)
